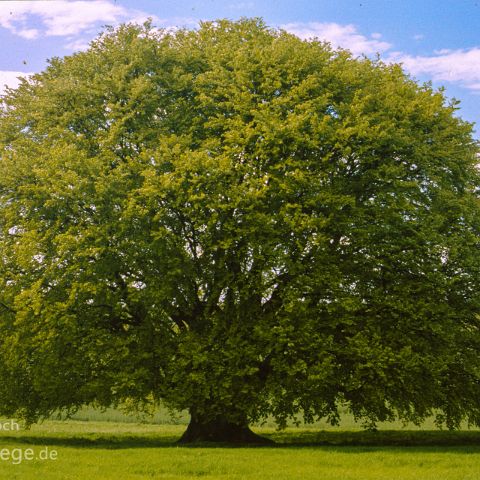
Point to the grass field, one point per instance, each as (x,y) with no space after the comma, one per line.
(92,448)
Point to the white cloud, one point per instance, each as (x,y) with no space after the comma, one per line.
(63,18)
(418,36)
(10,79)
(454,66)
(461,67)
(344,36)
(28,33)
(442,51)
(77,45)
(241,5)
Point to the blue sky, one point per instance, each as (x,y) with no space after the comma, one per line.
(435,40)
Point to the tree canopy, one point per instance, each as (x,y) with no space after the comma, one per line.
(234,221)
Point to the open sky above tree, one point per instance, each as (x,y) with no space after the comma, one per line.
(436,40)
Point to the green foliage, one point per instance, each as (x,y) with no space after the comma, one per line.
(241,223)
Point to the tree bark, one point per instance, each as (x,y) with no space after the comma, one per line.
(221,430)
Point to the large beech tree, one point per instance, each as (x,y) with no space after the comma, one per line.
(239,223)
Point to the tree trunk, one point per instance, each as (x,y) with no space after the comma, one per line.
(221,430)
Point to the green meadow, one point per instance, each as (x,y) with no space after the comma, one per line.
(115,446)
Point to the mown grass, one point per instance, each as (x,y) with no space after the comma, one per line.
(111,450)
